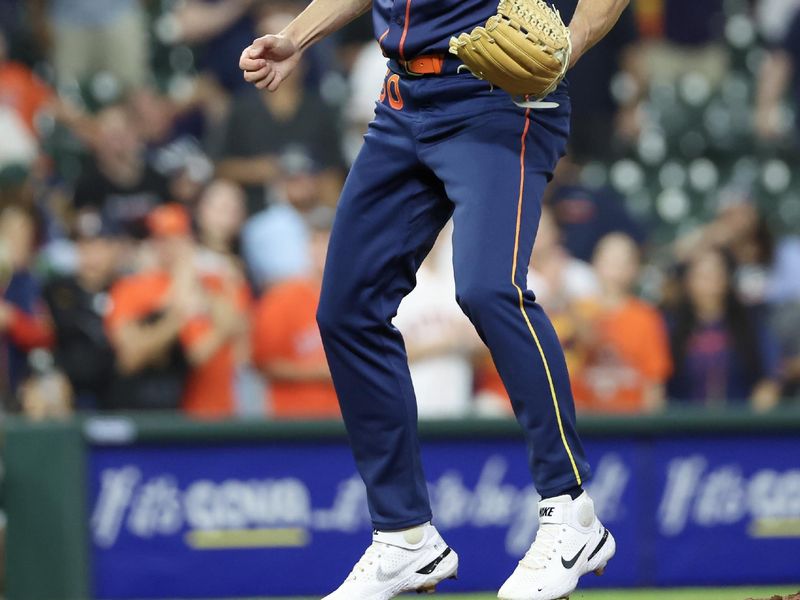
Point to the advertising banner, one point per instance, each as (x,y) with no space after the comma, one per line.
(283,519)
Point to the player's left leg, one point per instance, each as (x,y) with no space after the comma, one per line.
(495,166)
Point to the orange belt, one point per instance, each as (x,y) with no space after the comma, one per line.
(432,64)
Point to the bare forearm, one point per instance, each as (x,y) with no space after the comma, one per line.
(82,124)
(633,65)
(287,371)
(774,79)
(138,345)
(206,348)
(592,21)
(271,59)
(323,17)
(766,395)
(248,171)
(226,324)
(200,21)
(791,369)
(655,398)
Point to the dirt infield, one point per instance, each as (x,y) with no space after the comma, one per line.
(790,597)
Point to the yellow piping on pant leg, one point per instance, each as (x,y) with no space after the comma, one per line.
(522,302)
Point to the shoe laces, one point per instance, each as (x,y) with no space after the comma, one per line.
(544,547)
(366,561)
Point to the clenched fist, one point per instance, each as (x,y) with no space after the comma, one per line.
(269,60)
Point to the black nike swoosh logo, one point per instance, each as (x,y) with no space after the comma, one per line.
(568,564)
(602,543)
(431,566)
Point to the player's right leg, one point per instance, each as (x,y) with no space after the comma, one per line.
(391,210)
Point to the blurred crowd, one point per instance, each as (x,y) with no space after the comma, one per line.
(163,226)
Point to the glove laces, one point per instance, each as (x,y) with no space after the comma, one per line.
(523,12)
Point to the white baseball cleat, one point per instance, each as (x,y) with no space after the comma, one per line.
(570,542)
(414,560)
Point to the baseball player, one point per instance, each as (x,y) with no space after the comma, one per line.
(471,121)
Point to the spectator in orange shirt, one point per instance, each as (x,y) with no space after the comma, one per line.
(287,346)
(621,341)
(20,90)
(174,328)
(22,97)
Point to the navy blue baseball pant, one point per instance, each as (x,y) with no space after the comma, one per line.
(445,146)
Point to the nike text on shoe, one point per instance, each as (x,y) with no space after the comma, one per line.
(570,542)
(414,560)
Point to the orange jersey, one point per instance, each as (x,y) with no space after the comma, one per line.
(209,390)
(285,329)
(23,91)
(630,352)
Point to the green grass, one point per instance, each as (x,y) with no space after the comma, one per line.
(688,594)
(682,594)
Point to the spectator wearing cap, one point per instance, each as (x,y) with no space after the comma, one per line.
(585,214)
(262,126)
(118,181)
(24,322)
(174,328)
(275,241)
(287,347)
(78,304)
(170,131)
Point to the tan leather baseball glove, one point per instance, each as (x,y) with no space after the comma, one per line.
(524,49)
